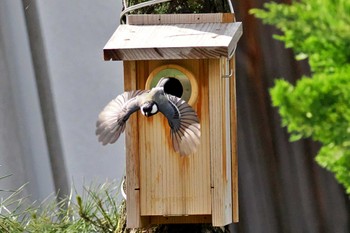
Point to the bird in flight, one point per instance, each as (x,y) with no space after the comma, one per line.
(182,119)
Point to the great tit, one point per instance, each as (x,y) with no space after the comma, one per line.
(182,119)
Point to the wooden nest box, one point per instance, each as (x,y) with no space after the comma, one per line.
(197,50)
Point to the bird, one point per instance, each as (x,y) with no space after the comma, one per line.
(182,118)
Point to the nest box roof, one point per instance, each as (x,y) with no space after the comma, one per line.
(190,36)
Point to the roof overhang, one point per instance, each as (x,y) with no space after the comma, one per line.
(198,39)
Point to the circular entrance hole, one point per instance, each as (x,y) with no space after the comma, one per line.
(173,87)
(181,83)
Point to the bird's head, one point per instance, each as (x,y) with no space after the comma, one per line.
(149,108)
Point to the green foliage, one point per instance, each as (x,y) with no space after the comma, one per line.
(319,106)
(96,210)
(337,159)
(317,29)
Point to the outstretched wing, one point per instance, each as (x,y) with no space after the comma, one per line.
(184,123)
(111,121)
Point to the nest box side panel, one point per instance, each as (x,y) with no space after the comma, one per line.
(171,185)
(220,142)
(234,154)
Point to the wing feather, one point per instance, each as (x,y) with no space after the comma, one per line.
(184,123)
(111,121)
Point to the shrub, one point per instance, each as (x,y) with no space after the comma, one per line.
(318,106)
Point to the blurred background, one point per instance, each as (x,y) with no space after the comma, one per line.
(54,82)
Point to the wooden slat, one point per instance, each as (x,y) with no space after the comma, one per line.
(220,159)
(178,41)
(150,19)
(132,155)
(234,155)
(227,127)
(215,140)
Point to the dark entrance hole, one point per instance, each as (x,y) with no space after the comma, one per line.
(173,87)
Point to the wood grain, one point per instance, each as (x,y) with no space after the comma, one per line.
(172,185)
(132,155)
(219,148)
(171,188)
(234,155)
(177,41)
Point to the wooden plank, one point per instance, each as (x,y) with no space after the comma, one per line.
(132,155)
(178,41)
(165,53)
(226,126)
(215,140)
(150,19)
(220,159)
(172,185)
(234,154)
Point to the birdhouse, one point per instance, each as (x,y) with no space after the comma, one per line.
(197,52)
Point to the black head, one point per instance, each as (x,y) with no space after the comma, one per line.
(149,108)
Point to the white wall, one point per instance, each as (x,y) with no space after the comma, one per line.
(74,34)
(82,83)
(23,150)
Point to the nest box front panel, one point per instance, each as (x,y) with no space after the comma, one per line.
(171,185)
(162,183)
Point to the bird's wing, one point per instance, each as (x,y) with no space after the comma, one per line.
(162,82)
(184,124)
(111,121)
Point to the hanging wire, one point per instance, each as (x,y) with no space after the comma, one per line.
(231,7)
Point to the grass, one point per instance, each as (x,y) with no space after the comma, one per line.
(95,210)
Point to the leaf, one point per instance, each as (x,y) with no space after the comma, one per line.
(301,56)
(318,106)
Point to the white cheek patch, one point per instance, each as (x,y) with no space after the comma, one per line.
(154,109)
